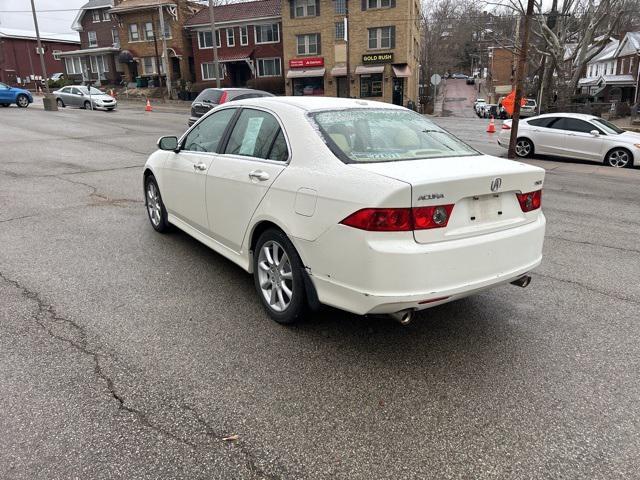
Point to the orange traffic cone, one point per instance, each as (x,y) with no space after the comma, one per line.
(149,109)
(492,126)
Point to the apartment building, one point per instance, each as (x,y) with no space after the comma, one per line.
(249,44)
(376,41)
(141,38)
(97,58)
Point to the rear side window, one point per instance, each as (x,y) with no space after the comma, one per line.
(209,95)
(256,134)
(542,122)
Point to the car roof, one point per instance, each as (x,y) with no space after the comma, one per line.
(581,116)
(317,103)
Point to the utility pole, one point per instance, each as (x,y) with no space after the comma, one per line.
(216,65)
(165,55)
(346,37)
(522,62)
(49,104)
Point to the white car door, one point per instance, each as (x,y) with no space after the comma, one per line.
(579,142)
(185,172)
(255,153)
(546,139)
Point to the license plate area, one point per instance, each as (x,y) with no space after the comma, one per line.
(485,209)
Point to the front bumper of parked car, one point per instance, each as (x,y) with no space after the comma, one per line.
(104,104)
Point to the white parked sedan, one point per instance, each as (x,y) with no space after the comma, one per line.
(574,135)
(364,206)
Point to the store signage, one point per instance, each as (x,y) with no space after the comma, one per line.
(377,58)
(306,62)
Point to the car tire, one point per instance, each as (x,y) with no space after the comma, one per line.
(156,210)
(277,269)
(22,101)
(87,105)
(60,103)
(618,158)
(524,148)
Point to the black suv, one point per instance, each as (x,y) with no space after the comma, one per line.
(212,97)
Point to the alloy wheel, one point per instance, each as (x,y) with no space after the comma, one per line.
(275,276)
(523,148)
(23,101)
(153,204)
(618,159)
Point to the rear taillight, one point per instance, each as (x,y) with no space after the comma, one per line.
(399,219)
(530,201)
(506,127)
(223,98)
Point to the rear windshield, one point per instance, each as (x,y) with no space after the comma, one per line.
(385,135)
(209,95)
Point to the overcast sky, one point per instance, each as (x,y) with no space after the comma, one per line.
(50,22)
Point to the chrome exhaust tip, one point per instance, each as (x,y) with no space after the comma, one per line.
(403,317)
(523,281)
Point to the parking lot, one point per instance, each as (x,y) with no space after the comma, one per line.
(128,354)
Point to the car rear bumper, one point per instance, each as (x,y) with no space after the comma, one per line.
(390,274)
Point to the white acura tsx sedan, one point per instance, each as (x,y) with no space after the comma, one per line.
(361,205)
(574,135)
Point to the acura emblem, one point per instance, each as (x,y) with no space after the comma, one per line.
(496,183)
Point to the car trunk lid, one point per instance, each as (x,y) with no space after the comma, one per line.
(481,188)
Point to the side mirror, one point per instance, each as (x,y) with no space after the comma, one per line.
(168,143)
(595,133)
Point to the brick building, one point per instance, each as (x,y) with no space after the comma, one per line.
(141,41)
(502,70)
(19,58)
(382,50)
(97,58)
(249,43)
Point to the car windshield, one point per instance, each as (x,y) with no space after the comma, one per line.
(94,91)
(608,127)
(385,135)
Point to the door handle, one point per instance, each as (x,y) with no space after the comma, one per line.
(199,166)
(259,175)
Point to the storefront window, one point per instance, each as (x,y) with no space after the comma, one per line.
(308,86)
(371,85)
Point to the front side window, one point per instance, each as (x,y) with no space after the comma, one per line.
(254,135)
(244,36)
(308,44)
(576,125)
(205,39)
(93,39)
(269,67)
(385,135)
(148,31)
(267,33)
(134,35)
(231,40)
(371,85)
(305,8)
(208,71)
(206,135)
(382,38)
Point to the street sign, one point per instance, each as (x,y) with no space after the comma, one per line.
(435,79)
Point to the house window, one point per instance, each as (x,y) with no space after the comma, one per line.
(231,39)
(622,65)
(95,14)
(631,65)
(208,71)
(148,31)
(115,35)
(134,35)
(371,85)
(106,16)
(308,44)
(340,7)
(56,54)
(267,33)
(167,30)
(269,67)
(98,64)
(378,3)
(93,39)
(149,66)
(339,30)
(382,37)
(73,65)
(244,36)
(204,40)
(305,8)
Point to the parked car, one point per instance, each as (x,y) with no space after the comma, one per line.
(478,104)
(489,109)
(529,108)
(460,76)
(19,96)
(89,98)
(574,135)
(471,81)
(365,206)
(212,97)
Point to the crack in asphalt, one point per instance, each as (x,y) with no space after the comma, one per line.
(105,199)
(45,311)
(588,288)
(593,244)
(17,218)
(57,175)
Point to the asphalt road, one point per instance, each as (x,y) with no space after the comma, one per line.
(129,354)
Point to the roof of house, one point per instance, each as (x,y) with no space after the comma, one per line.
(237,11)
(90,5)
(44,36)
(607,53)
(139,4)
